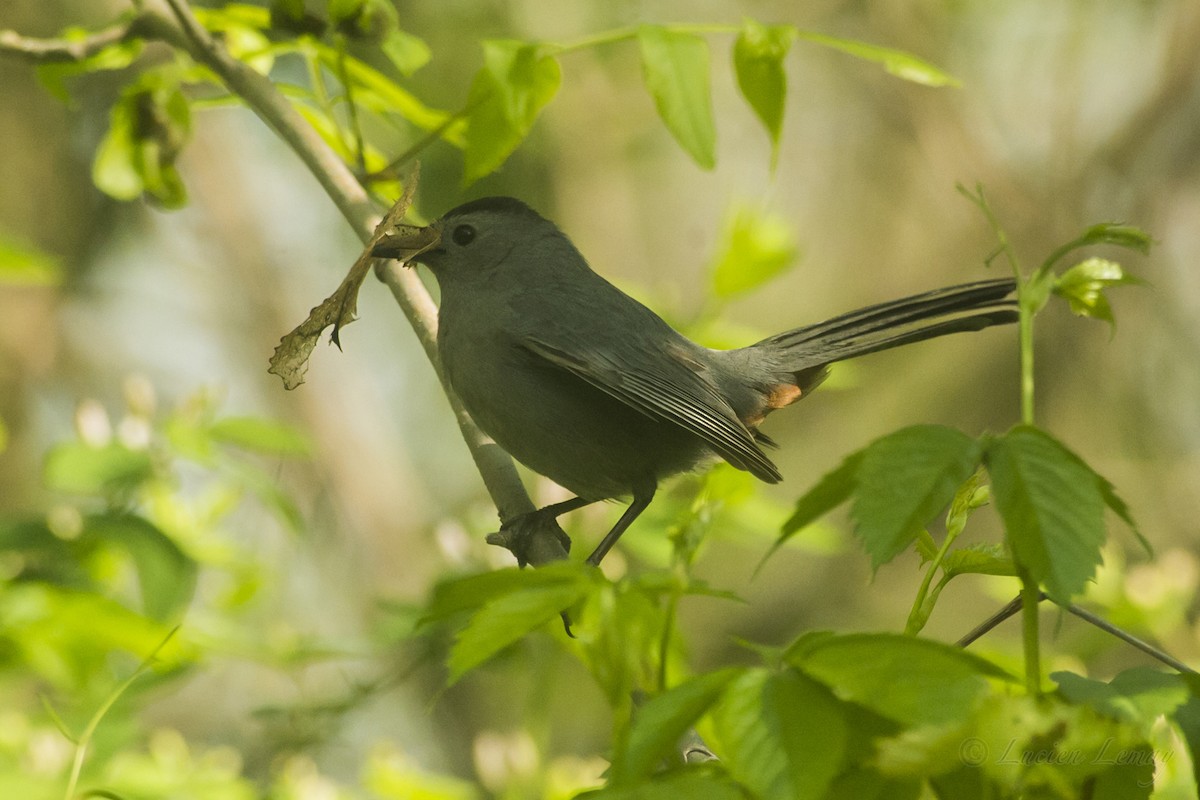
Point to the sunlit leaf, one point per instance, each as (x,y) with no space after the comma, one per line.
(82,469)
(24,265)
(516,81)
(897,62)
(407,53)
(114,167)
(118,55)
(262,435)
(758,57)
(756,246)
(508,618)
(1083,287)
(675,69)
(1052,507)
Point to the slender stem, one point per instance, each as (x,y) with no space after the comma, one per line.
(1031,595)
(1025,328)
(915,623)
(496,468)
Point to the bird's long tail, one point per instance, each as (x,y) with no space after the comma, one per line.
(807,351)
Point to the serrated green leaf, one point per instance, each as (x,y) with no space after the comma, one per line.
(82,469)
(758,57)
(659,724)
(903,480)
(24,265)
(261,435)
(509,617)
(755,247)
(897,62)
(516,82)
(1052,507)
(1083,287)
(941,683)
(675,71)
(830,492)
(782,734)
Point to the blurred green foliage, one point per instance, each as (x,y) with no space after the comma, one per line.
(132,578)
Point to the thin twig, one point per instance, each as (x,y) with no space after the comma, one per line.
(495,467)
(1013,606)
(65,51)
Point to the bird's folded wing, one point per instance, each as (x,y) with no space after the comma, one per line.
(673,392)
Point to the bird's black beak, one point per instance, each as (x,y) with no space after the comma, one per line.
(407,242)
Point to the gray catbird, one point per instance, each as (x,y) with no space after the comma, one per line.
(587,386)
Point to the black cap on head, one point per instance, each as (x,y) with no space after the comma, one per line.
(499,205)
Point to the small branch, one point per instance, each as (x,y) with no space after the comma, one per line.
(1016,604)
(65,51)
(495,467)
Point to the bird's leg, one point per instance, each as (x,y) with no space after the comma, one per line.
(641,499)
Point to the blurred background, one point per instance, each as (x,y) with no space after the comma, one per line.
(1069,114)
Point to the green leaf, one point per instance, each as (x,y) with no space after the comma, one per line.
(1083,287)
(114,168)
(830,492)
(1135,695)
(756,246)
(148,127)
(897,62)
(758,57)
(261,435)
(662,721)
(1052,506)
(118,55)
(407,53)
(904,480)
(509,617)
(782,734)
(166,575)
(376,92)
(940,684)
(79,468)
(24,265)
(675,70)
(981,558)
(516,82)
(684,783)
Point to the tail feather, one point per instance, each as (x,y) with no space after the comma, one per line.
(968,307)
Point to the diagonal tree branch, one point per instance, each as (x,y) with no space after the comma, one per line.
(182,30)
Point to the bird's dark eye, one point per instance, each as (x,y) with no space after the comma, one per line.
(463,235)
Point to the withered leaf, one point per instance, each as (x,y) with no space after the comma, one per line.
(290,360)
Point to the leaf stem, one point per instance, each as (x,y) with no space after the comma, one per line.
(1031,595)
